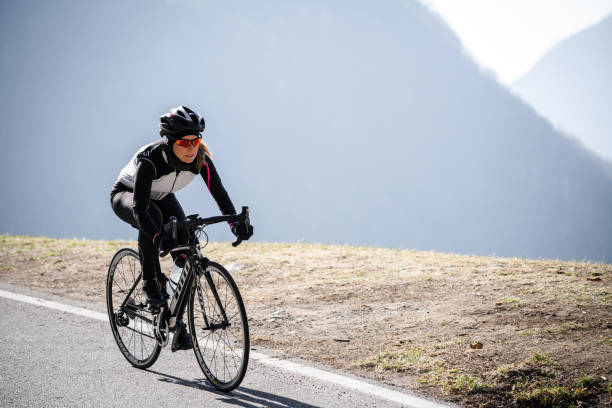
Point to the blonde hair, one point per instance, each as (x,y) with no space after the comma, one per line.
(203,151)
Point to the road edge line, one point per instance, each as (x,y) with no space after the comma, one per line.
(54,305)
(347,382)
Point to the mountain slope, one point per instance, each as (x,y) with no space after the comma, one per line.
(571,86)
(343,122)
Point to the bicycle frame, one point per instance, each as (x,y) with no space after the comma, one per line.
(178,300)
(195,261)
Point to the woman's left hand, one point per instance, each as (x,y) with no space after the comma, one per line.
(241,230)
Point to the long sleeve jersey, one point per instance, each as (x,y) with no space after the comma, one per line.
(150,175)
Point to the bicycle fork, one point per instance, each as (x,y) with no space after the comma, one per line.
(210,325)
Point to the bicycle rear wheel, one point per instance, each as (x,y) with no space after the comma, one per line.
(130,320)
(221,347)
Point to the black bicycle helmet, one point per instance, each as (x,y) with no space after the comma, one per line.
(179,122)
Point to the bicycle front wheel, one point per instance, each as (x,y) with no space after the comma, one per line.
(130,320)
(219,327)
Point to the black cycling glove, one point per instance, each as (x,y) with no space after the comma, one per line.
(241,230)
(163,242)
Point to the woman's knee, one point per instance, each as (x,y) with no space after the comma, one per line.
(122,203)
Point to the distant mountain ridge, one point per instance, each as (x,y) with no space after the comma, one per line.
(571,85)
(342,122)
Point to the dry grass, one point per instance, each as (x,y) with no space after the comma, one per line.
(406,317)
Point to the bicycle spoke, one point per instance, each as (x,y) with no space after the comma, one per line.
(232,318)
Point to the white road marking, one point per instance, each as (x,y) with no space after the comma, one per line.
(54,305)
(296,368)
(361,386)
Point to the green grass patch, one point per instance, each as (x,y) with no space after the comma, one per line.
(604,340)
(510,299)
(395,361)
(538,382)
(544,359)
(52,254)
(451,381)
(545,396)
(565,327)
(586,381)
(538,366)
(465,384)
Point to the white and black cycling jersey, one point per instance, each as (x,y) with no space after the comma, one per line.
(154,172)
(167,178)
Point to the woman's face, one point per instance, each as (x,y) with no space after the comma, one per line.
(188,153)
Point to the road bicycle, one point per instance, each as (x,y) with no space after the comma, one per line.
(216,315)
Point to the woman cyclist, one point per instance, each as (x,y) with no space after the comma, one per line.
(143,196)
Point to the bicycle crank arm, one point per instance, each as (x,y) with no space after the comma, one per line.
(160,327)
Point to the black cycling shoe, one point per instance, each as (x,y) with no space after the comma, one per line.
(151,291)
(182,339)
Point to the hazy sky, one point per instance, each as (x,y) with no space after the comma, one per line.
(509,37)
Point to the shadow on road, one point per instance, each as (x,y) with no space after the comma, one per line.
(242,396)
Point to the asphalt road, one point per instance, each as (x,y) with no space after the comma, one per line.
(50,358)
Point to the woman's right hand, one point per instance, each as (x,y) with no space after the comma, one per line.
(241,230)
(163,243)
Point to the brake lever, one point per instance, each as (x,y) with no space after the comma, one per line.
(244,216)
(237,242)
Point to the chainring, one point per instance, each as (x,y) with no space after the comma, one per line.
(160,327)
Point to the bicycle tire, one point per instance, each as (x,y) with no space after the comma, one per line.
(222,353)
(132,328)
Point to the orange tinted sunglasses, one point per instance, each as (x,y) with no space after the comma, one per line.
(186,143)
